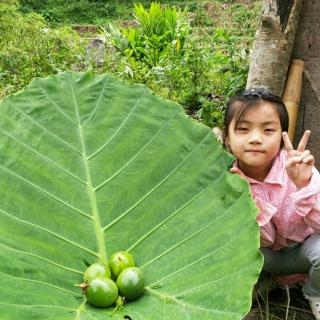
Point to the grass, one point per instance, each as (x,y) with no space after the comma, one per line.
(273,301)
(60,12)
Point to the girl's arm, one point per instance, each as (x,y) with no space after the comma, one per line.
(267,230)
(307,201)
(301,171)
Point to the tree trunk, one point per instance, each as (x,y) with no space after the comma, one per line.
(273,44)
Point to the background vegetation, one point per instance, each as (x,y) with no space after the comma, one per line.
(210,65)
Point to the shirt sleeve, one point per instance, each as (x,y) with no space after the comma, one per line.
(267,230)
(267,235)
(307,201)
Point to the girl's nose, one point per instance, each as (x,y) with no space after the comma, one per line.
(255,137)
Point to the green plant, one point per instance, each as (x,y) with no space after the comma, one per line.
(213,66)
(159,31)
(29,49)
(100,167)
(61,13)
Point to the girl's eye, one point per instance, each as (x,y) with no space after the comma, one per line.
(242,129)
(270,130)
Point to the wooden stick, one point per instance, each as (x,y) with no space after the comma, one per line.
(292,94)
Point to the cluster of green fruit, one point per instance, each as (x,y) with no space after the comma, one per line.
(116,282)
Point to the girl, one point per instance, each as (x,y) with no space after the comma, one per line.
(284,184)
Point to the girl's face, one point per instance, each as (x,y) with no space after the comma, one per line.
(256,139)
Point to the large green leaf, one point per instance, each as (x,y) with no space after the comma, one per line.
(90,165)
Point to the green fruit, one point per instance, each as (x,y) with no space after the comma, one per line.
(96,270)
(101,292)
(120,261)
(130,283)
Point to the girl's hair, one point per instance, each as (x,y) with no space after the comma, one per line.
(239,104)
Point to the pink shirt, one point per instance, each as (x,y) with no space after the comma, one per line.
(286,213)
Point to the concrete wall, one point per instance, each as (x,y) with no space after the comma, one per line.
(307,48)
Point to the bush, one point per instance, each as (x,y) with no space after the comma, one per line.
(212,66)
(29,49)
(198,67)
(61,12)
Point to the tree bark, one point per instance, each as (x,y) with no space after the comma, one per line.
(271,54)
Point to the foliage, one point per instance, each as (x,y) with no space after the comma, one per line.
(101,169)
(60,12)
(213,66)
(210,65)
(160,30)
(29,49)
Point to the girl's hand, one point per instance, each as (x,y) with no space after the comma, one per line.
(300,162)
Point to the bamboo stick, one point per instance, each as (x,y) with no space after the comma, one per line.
(292,94)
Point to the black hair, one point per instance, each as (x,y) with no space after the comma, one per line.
(239,104)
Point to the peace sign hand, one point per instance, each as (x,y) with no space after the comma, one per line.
(300,162)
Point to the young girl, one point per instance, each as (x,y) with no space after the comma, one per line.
(284,183)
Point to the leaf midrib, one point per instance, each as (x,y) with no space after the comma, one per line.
(91,192)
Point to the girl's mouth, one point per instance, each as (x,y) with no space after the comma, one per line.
(255,151)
